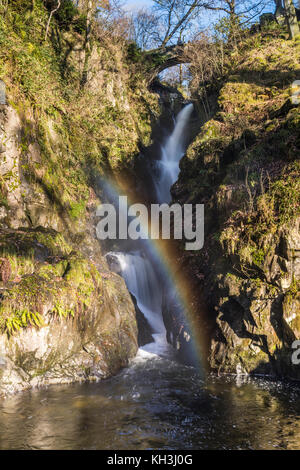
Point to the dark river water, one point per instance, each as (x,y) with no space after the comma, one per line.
(154,404)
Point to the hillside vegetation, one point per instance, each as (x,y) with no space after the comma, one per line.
(75,115)
(244,166)
(63,316)
(80,130)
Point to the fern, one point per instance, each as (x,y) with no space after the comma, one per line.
(63,312)
(23,319)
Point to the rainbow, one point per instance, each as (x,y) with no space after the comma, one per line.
(167,252)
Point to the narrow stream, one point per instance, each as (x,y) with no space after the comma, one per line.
(155,403)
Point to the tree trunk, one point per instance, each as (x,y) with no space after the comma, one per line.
(280,13)
(90,9)
(291,18)
(50,18)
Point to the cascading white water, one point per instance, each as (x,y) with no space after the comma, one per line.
(136,269)
(142,282)
(171,154)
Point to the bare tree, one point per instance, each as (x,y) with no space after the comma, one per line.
(242,11)
(55,9)
(145,26)
(111,21)
(89,8)
(291,18)
(206,58)
(175,16)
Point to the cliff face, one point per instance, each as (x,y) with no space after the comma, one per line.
(63,315)
(258,318)
(244,166)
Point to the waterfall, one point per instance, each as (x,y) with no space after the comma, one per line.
(140,268)
(171,153)
(143,283)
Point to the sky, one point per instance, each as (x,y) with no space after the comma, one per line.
(132,5)
(206,18)
(137,4)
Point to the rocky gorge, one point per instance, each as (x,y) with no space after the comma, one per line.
(244,166)
(65,316)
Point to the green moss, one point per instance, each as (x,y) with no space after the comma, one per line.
(23,247)
(67,288)
(58,269)
(258,257)
(210,131)
(80,131)
(77,209)
(45,272)
(293,292)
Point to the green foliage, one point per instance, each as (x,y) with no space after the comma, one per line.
(281,203)
(77,209)
(20,6)
(258,257)
(244,163)
(62,312)
(22,319)
(19,248)
(134,52)
(294,288)
(78,130)
(65,14)
(65,285)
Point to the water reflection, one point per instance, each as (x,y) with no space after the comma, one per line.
(155,404)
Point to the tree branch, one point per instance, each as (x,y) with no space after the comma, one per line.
(50,18)
(193,6)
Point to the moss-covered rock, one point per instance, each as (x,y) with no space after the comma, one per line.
(63,315)
(244,166)
(61,319)
(56,133)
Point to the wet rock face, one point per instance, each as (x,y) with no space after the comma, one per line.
(258,320)
(114,263)
(63,317)
(144,329)
(178,333)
